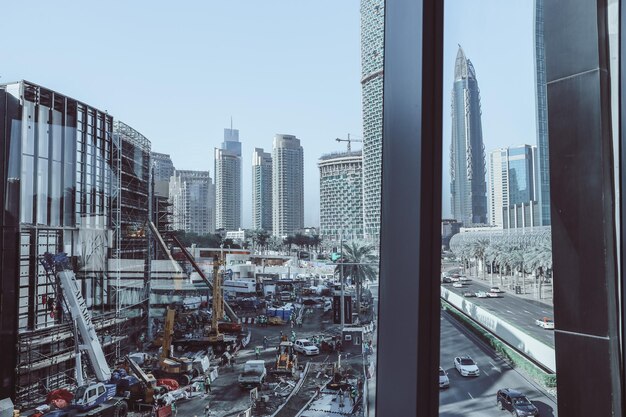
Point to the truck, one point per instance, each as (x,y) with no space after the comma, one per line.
(253,374)
(91,399)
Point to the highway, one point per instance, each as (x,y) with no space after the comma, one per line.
(518,311)
(476,397)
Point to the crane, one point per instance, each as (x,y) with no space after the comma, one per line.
(349,140)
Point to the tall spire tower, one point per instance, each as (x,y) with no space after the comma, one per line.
(467,152)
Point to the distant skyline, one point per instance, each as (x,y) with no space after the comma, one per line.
(177,73)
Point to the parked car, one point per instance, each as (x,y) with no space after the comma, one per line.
(444,381)
(306,347)
(481,294)
(516,403)
(468,294)
(466,366)
(495,289)
(546,323)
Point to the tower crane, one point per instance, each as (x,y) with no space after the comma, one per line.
(349,140)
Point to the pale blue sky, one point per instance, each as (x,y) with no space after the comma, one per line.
(177,72)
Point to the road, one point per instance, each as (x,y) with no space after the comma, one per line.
(518,311)
(476,397)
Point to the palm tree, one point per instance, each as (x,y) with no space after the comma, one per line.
(361,265)
(539,258)
(479,248)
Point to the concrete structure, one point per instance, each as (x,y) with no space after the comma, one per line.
(67,185)
(467,153)
(261,190)
(521,215)
(287,185)
(449,228)
(236,235)
(372,36)
(512,179)
(341,195)
(228,182)
(192,198)
(541,94)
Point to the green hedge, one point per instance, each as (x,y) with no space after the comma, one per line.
(510,354)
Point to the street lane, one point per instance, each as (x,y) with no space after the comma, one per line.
(520,312)
(476,397)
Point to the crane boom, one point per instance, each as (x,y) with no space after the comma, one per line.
(77,306)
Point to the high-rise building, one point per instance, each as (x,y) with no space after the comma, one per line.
(467,151)
(162,165)
(541,94)
(341,195)
(261,190)
(372,36)
(228,182)
(192,202)
(512,174)
(65,188)
(287,185)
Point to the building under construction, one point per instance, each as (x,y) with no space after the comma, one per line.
(73,181)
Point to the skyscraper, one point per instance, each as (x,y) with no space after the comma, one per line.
(341,195)
(372,36)
(261,190)
(467,151)
(287,185)
(512,182)
(228,182)
(192,202)
(541,94)
(163,166)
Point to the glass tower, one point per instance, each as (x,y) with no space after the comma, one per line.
(543,164)
(287,185)
(261,190)
(467,153)
(228,182)
(372,36)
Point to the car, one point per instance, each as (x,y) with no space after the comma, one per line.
(306,347)
(466,366)
(516,403)
(495,289)
(457,285)
(491,294)
(481,294)
(464,279)
(546,323)
(446,280)
(468,294)
(444,381)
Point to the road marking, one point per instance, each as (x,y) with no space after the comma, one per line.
(526,311)
(470,395)
(485,372)
(509,311)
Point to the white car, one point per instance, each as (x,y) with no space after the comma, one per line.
(466,366)
(464,279)
(492,294)
(306,347)
(481,294)
(546,323)
(457,285)
(495,289)
(444,381)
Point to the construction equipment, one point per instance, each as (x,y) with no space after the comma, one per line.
(91,398)
(286,359)
(214,335)
(179,369)
(349,140)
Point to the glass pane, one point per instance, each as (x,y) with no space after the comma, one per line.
(497,320)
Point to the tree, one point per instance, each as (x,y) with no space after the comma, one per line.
(316,241)
(361,265)
(479,248)
(288,241)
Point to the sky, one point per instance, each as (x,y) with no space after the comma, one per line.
(178,71)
